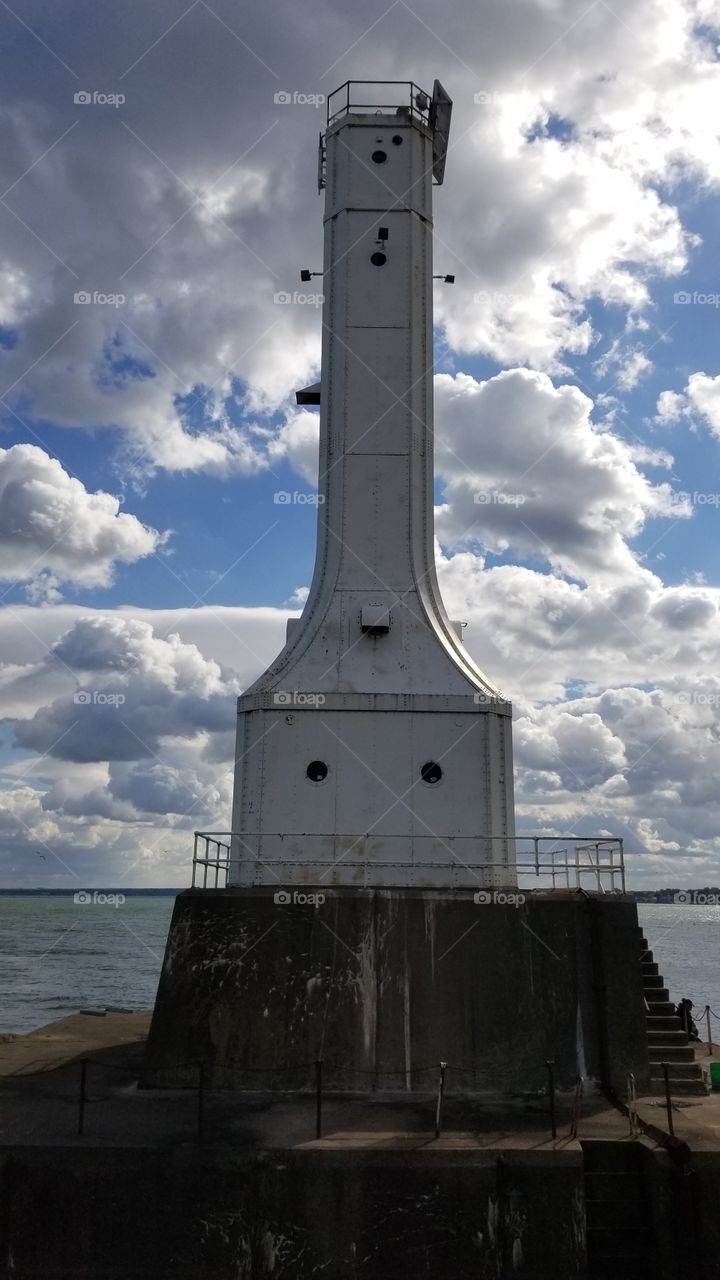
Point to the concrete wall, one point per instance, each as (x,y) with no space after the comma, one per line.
(68,1213)
(376,982)
(136,1215)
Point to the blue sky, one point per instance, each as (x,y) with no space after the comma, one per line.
(581,197)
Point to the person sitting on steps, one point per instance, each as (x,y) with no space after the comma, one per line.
(683,1012)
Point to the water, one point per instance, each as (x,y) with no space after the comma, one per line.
(58,956)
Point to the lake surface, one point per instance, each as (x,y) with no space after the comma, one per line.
(58,956)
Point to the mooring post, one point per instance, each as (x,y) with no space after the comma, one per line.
(318,1098)
(82,1097)
(550,1064)
(709,1030)
(668,1099)
(441,1091)
(200,1098)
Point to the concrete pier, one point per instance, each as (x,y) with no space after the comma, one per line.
(158,1188)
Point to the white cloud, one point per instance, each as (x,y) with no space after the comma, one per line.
(198,226)
(133,690)
(700,399)
(525,469)
(52,529)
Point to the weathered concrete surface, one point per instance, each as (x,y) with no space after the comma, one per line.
(210,1213)
(69,1038)
(126,1214)
(383,984)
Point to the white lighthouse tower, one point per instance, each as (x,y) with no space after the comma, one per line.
(373,751)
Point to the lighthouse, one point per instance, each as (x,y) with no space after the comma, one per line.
(363,918)
(374,751)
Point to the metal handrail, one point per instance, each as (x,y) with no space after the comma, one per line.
(605,856)
(411,105)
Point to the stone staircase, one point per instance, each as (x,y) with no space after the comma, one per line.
(667,1038)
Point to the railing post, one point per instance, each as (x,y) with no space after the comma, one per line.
(686,1021)
(632,1105)
(318,1098)
(709,1030)
(82,1097)
(440,1093)
(550,1064)
(668,1099)
(576,1108)
(622,862)
(195,840)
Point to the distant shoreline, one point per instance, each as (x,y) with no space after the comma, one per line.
(70,893)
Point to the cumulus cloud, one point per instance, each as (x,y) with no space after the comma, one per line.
(569,141)
(525,468)
(52,529)
(135,689)
(566,132)
(700,400)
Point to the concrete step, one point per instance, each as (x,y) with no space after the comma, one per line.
(663,1022)
(649,968)
(654,988)
(678,1071)
(679,1088)
(671,1053)
(661,1009)
(662,1036)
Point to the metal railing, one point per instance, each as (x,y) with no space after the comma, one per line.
(381,97)
(566,862)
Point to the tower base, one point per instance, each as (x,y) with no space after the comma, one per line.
(383,984)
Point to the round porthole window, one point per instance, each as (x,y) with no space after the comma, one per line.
(431,772)
(379,157)
(378,259)
(317,771)
(397,139)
